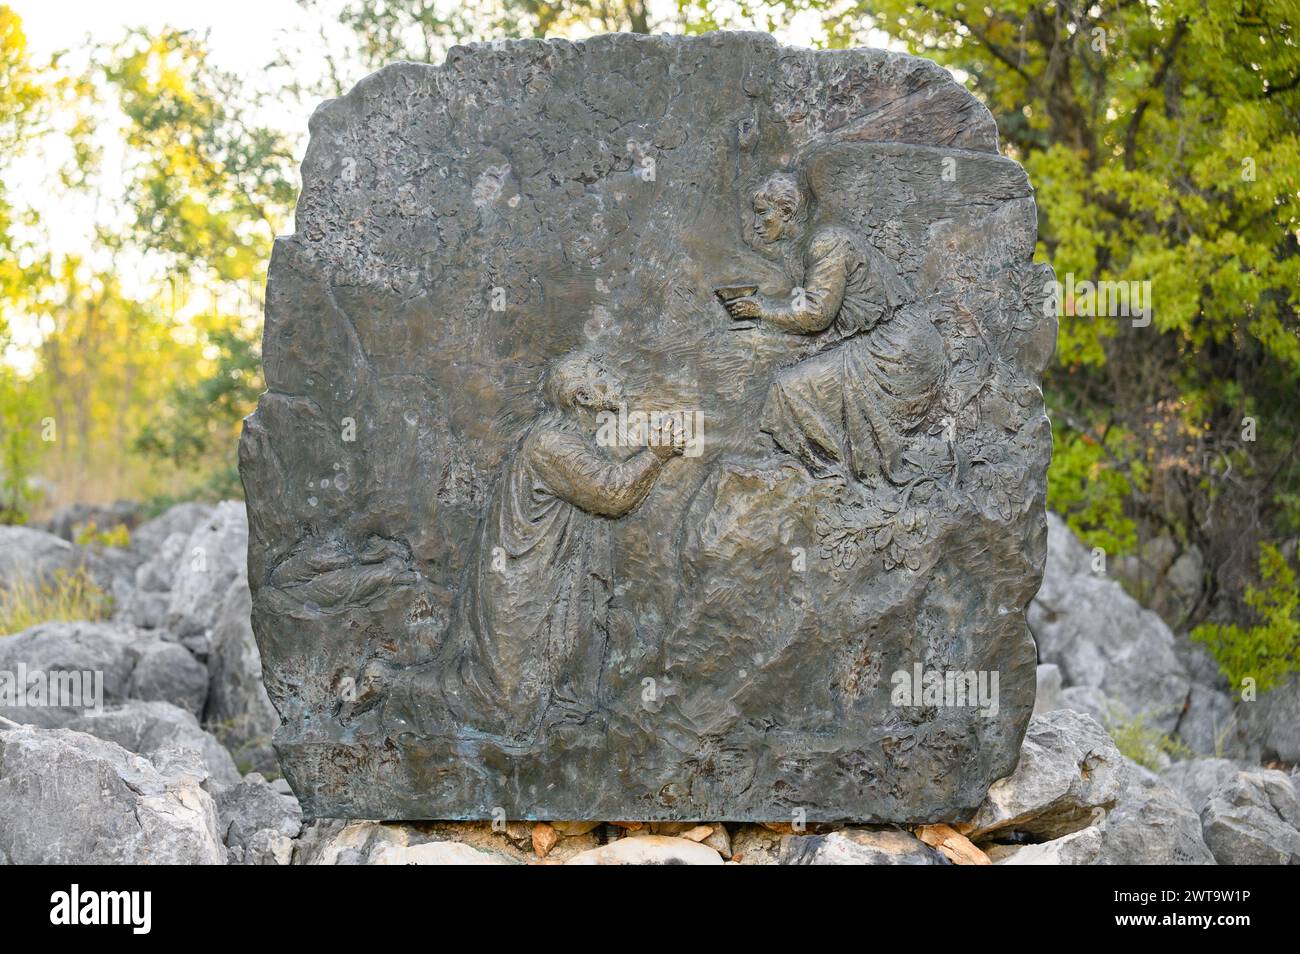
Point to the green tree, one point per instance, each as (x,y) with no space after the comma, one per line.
(148,339)
(199,414)
(20,446)
(210,189)
(1268,651)
(26,93)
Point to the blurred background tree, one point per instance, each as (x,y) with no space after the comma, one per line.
(25,94)
(146,353)
(209,191)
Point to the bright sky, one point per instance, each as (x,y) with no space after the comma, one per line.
(245,33)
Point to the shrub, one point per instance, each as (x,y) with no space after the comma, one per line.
(1142,742)
(1269,651)
(118,536)
(1088,487)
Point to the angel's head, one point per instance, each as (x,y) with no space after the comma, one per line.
(779,205)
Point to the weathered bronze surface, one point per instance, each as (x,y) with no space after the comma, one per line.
(646,418)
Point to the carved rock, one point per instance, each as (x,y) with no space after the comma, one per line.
(481,588)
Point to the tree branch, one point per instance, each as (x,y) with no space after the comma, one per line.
(1135,123)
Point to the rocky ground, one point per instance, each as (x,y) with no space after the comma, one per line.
(179,768)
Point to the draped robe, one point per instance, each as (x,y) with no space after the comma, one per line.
(852,408)
(531,625)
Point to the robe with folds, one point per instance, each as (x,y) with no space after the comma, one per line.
(854,407)
(530,629)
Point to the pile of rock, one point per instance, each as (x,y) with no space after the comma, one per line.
(169,772)
(184,709)
(1104,653)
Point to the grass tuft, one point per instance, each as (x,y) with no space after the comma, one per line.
(70,596)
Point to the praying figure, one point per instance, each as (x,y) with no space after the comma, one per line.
(528,640)
(856,408)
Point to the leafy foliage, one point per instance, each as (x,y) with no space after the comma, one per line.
(20,447)
(90,535)
(199,414)
(147,357)
(1089,486)
(1269,651)
(25,95)
(207,187)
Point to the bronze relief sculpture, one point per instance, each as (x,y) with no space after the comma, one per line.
(480,593)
